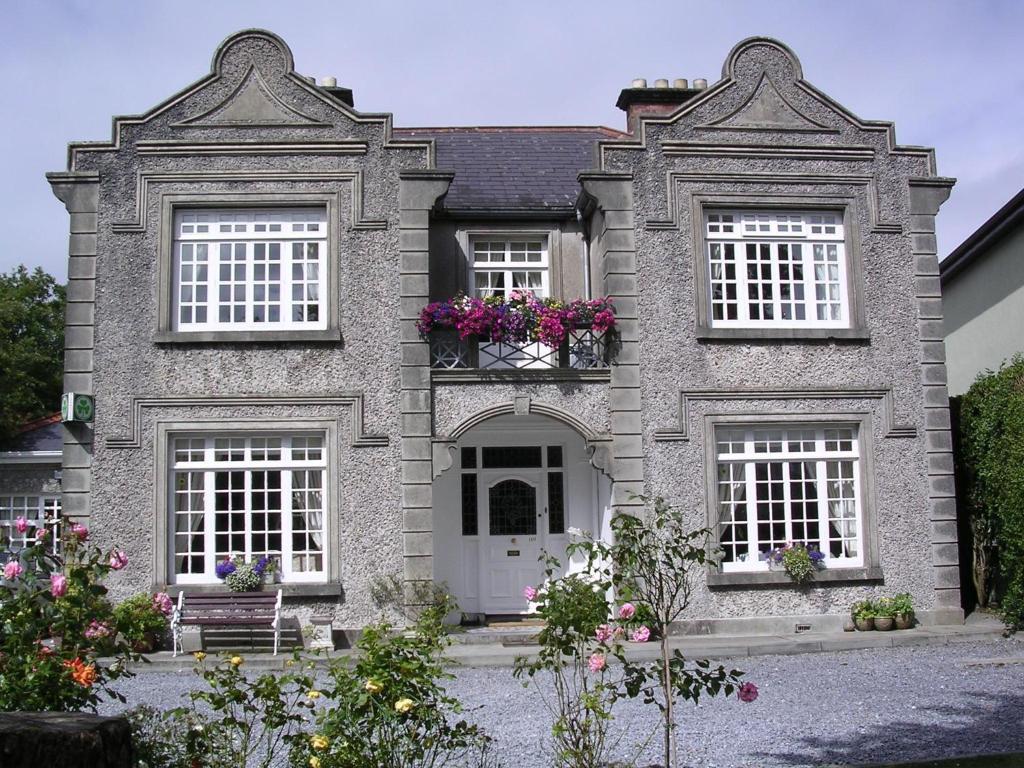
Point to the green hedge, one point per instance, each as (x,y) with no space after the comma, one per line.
(992,463)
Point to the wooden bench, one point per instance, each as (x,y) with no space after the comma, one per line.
(227,609)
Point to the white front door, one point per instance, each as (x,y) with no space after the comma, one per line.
(512,528)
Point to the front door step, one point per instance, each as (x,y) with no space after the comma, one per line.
(501,631)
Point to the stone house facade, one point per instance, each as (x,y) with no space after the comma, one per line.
(248,261)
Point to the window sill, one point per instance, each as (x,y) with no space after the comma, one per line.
(206,337)
(288,590)
(780,578)
(706,333)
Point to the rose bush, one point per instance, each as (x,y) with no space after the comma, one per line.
(55,621)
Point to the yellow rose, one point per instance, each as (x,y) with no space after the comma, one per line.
(372,686)
(314,762)
(320,742)
(313,695)
(236,661)
(199,655)
(403,705)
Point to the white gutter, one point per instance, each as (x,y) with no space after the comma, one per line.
(31,457)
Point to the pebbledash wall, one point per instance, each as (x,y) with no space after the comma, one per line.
(254,132)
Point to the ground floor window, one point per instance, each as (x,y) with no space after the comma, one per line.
(39,511)
(251,496)
(788,485)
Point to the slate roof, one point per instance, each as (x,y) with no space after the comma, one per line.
(514,170)
(46,434)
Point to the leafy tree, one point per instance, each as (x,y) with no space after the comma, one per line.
(992,456)
(31,347)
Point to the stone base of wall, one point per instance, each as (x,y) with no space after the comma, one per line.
(790,625)
(66,739)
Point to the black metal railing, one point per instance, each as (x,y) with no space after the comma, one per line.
(583,349)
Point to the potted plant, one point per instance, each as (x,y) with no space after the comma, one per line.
(863,615)
(799,561)
(903,610)
(242,576)
(267,568)
(142,619)
(885,614)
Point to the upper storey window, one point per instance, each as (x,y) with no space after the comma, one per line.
(500,266)
(250,269)
(777,269)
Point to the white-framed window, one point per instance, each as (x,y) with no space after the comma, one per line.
(250,269)
(39,510)
(248,495)
(794,484)
(502,265)
(777,269)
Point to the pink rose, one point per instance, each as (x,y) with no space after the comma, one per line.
(626,611)
(604,633)
(747,692)
(97,630)
(530,593)
(118,559)
(80,531)
(163,603)
(13,570)
(21,525)
(597,662)
(58,584)
(42,534)
(640,635)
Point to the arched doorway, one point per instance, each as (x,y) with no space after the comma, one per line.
(517,485)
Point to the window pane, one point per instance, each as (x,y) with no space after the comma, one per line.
(515,456)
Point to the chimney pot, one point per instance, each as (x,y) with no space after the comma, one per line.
(680,82)
(661,82)
(329,82)
(700,83)
(640,82)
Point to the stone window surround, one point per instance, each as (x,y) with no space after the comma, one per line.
(870,571)
(166,431)
(466,234)
(171,203)
(847,204)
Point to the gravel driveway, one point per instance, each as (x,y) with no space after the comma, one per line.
(844,708)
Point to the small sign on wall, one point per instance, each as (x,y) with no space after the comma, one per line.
(76,407)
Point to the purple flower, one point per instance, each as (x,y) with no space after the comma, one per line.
(261,565)
(225,567)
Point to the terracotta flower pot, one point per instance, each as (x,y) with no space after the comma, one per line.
(865,625)
(884,623)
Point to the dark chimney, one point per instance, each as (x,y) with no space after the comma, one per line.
(640,100)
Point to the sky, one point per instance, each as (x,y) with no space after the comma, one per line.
(949,74)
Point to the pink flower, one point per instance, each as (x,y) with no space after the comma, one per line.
(747,692)
(42,534)
(96,630)
(163,603)
(80,531)
(597,662)
(604,633)
(640,635)
(118,559)
(530,593)
(626,611)
(13,570)
(21,525)
(58,584)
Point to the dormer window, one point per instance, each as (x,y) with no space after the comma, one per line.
(500,266)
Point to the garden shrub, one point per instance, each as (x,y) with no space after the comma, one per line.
(991,444)
(650,568)
(389,709)
(55,621)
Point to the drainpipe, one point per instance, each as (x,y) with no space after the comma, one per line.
(586,254)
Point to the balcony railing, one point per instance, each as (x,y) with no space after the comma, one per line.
(583,349)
